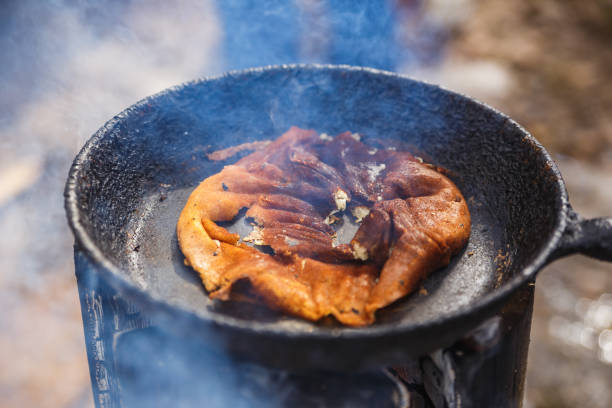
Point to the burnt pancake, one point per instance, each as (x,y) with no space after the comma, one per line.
(412,220)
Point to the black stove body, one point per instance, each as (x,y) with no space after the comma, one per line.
(135,362)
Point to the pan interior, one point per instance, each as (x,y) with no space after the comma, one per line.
(146,162)
(158,266)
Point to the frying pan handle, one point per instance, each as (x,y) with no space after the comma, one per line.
(592,237)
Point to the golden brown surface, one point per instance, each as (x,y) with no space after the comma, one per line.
(293,188)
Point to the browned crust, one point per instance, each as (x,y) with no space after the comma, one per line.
(418,219)
(224,154)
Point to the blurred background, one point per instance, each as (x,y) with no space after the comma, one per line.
(70,65)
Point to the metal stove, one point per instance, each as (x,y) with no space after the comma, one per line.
(135,362)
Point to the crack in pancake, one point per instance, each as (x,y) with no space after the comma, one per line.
(413,219)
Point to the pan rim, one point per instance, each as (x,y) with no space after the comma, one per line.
(114,276)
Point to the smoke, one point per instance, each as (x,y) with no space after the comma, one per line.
(83,62)
(333,31)
(67,67)
(70,65)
